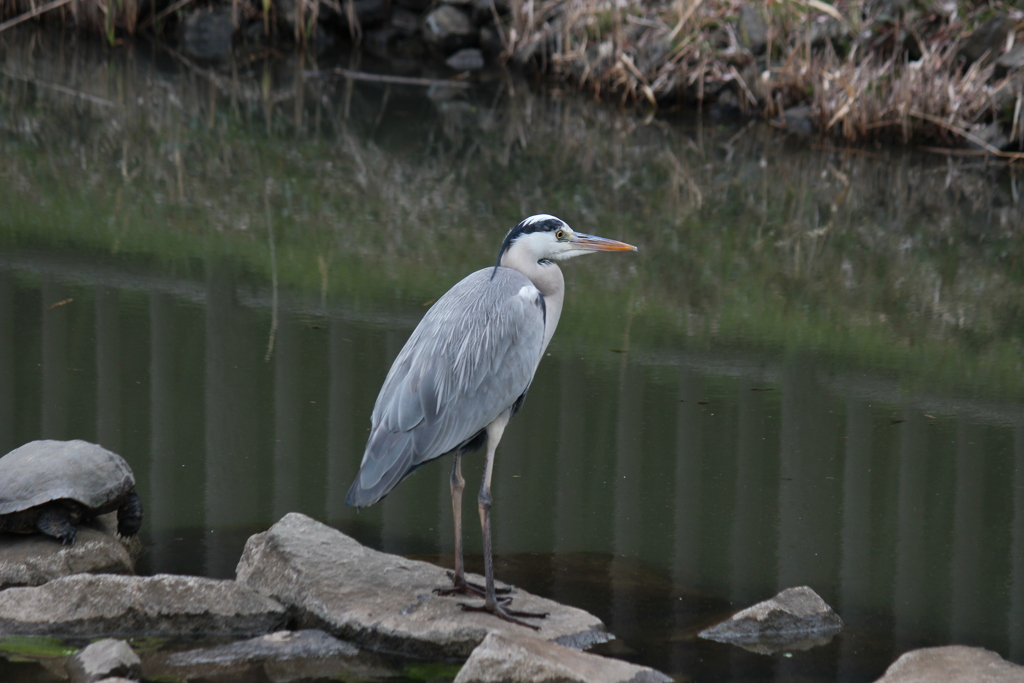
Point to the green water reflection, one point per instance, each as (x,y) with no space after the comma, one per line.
(811,373)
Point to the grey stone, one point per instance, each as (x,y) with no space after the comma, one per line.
(795,619)
(206,34)
(991,135)
(799,119)
(466,59)
(1014,59)
(826,29)
(753,32)
(92,604)
(385,602)
(509,658)
(490,40)
(34,560)
(449,28)
(987,40)
(102,660)
(484,10)
(952,664)
(405,21)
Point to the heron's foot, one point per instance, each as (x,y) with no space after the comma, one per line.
(502,611)
(464,587)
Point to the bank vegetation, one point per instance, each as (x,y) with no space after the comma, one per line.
(933,72)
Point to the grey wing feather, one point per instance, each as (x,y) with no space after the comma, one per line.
(473,354)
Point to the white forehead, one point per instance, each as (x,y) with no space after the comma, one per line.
(542,217)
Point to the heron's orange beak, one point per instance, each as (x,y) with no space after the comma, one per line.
(595,243)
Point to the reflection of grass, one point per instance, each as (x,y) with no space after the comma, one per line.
(430,671)
(884,264)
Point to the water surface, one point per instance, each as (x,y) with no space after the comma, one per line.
(810,373)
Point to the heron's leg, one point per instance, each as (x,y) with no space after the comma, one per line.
(491,602)
(458,484)
(459,582)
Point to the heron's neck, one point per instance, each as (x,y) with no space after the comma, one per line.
(548,279)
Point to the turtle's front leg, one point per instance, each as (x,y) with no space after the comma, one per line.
(129,515)
(58,521)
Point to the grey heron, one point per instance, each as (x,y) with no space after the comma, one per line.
(465,371)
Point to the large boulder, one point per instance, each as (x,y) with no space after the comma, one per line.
(91,604)
(952,664)
(795,619)
(385,602)
(32,560)
(102,660)
(508,658)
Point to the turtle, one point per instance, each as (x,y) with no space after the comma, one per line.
(52,486)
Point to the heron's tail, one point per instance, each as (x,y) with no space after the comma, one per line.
(388,459)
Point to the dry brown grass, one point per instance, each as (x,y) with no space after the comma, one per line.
(866,75)
(867,69)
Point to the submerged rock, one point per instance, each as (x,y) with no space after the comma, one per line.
(952,664)
(92,605)
(102,660)
(34,560)
(508,658)
(795,619)
(384,602)
(304,654)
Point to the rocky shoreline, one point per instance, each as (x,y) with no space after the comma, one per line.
(310,602)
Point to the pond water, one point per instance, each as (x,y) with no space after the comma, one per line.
(809,374)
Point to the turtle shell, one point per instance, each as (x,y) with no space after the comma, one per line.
(44,471)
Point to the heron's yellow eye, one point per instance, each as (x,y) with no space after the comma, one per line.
(559,235)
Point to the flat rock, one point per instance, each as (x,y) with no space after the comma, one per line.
(102,660)
(795,619)
(32,560)
(384,602)
(95,604)
(952,664)
(508,658)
